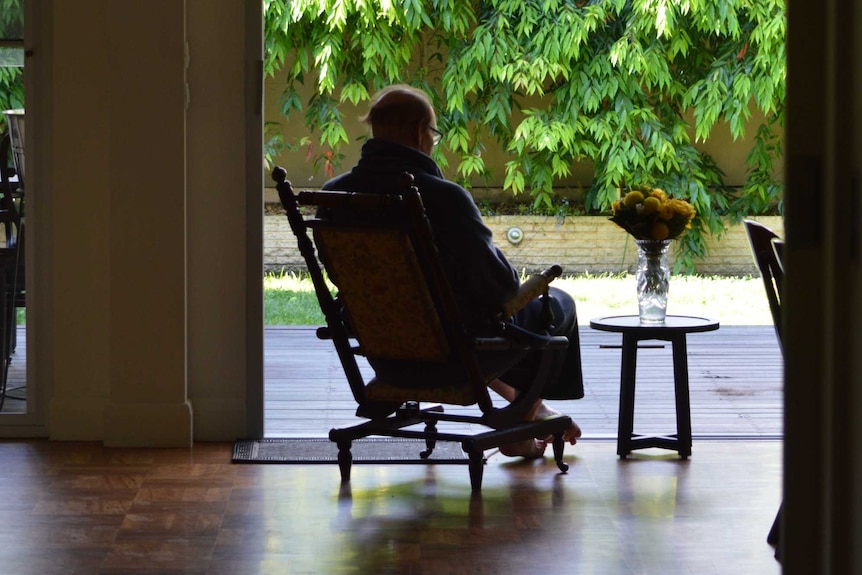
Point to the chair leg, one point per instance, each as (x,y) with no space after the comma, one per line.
(345,460)
(559,446)
(774,532)
(4,339)
(476,465)
(774,536)
(13,332)
(430,442)
(4,382)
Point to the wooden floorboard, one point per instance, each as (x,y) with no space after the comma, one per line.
(72,507)
(735,375)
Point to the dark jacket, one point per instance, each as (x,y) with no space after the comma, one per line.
(479,273)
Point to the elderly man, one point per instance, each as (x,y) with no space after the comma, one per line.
(404,133)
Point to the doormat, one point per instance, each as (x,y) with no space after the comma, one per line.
(322,450)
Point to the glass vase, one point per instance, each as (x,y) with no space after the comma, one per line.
(653,277)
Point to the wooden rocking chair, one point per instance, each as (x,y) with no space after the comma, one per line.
(395,307)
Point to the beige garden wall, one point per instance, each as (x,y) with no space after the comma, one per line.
(582,244)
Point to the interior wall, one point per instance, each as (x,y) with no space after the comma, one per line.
(855,405)
(146,111)
(75,206)
(140,278)
(218,233)
(823,443)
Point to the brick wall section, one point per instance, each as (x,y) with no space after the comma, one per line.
(580,244)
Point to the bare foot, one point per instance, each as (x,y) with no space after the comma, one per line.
(539,411)
(571,434)
(528,449)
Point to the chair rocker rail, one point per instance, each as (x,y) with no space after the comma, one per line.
(485,440)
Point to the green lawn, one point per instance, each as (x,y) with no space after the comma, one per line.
(290,300)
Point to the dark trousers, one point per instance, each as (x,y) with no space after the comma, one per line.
(568,380)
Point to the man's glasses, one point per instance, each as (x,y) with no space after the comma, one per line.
(438,135)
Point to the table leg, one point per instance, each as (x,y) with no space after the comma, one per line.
(681,391)
(628,369)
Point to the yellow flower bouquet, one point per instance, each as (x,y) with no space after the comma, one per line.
(650,214)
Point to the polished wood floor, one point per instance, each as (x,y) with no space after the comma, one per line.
(86,509)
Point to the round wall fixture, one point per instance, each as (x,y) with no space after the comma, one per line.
(515,235)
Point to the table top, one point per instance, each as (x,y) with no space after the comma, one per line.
(672,323)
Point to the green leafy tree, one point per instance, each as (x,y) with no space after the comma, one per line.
(11,73)
(629,85)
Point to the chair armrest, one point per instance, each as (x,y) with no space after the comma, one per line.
(503,344)
(535,286)
(519,339)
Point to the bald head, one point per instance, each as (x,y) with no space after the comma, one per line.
(402,114)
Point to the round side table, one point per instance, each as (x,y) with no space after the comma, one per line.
(674,330)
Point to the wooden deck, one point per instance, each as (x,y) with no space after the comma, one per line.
(735,375)
(16,386)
